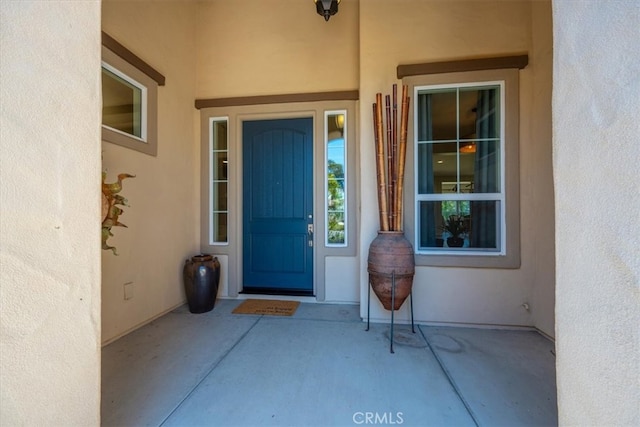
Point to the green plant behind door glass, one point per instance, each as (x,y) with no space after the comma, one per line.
(336,182)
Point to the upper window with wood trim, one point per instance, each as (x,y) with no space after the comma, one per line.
(129,99)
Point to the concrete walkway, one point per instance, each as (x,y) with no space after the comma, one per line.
(321,368)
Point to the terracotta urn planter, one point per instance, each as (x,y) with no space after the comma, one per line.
(391,254)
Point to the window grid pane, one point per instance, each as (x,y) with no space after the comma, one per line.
(458,169)
(459,225)
(218,197)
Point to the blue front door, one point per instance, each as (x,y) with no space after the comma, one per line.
(278,206)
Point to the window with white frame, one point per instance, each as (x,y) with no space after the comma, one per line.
(218,181)
(335,125)
(465,169)
(124,103)
(459,146)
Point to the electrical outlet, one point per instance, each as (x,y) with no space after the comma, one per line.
(128,290)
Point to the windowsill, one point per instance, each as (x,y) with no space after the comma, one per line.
(469,261)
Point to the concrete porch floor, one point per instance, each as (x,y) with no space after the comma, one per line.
(321,368)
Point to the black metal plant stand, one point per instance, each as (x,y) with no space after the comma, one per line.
(393,300)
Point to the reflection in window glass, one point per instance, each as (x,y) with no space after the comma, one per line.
(459,173)
(460,224)
(123,103)
(219,181)
(336,185)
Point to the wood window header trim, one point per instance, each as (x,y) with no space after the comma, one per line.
(461,65)
(124,53)
(346,95)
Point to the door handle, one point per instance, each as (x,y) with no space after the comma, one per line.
(310,229)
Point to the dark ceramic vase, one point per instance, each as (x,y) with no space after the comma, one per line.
(391,255)
(455,242)
(201,276)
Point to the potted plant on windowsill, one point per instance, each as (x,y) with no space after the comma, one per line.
(457,229)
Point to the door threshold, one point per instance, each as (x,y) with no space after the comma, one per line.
(275,291)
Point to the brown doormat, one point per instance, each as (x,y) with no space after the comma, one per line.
(269,307)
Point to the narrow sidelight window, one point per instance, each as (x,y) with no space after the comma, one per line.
(219,181)
(335,125)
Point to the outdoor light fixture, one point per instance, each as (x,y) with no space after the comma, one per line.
(327,8)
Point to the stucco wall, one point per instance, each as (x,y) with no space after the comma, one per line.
(406,32)
(538,179)
(255,47)
(596,100)
(163,216)
(49,228)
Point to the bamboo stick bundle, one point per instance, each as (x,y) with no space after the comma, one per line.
(402,154)
(380,167)
(393,171)
(390,173)
(390,161)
